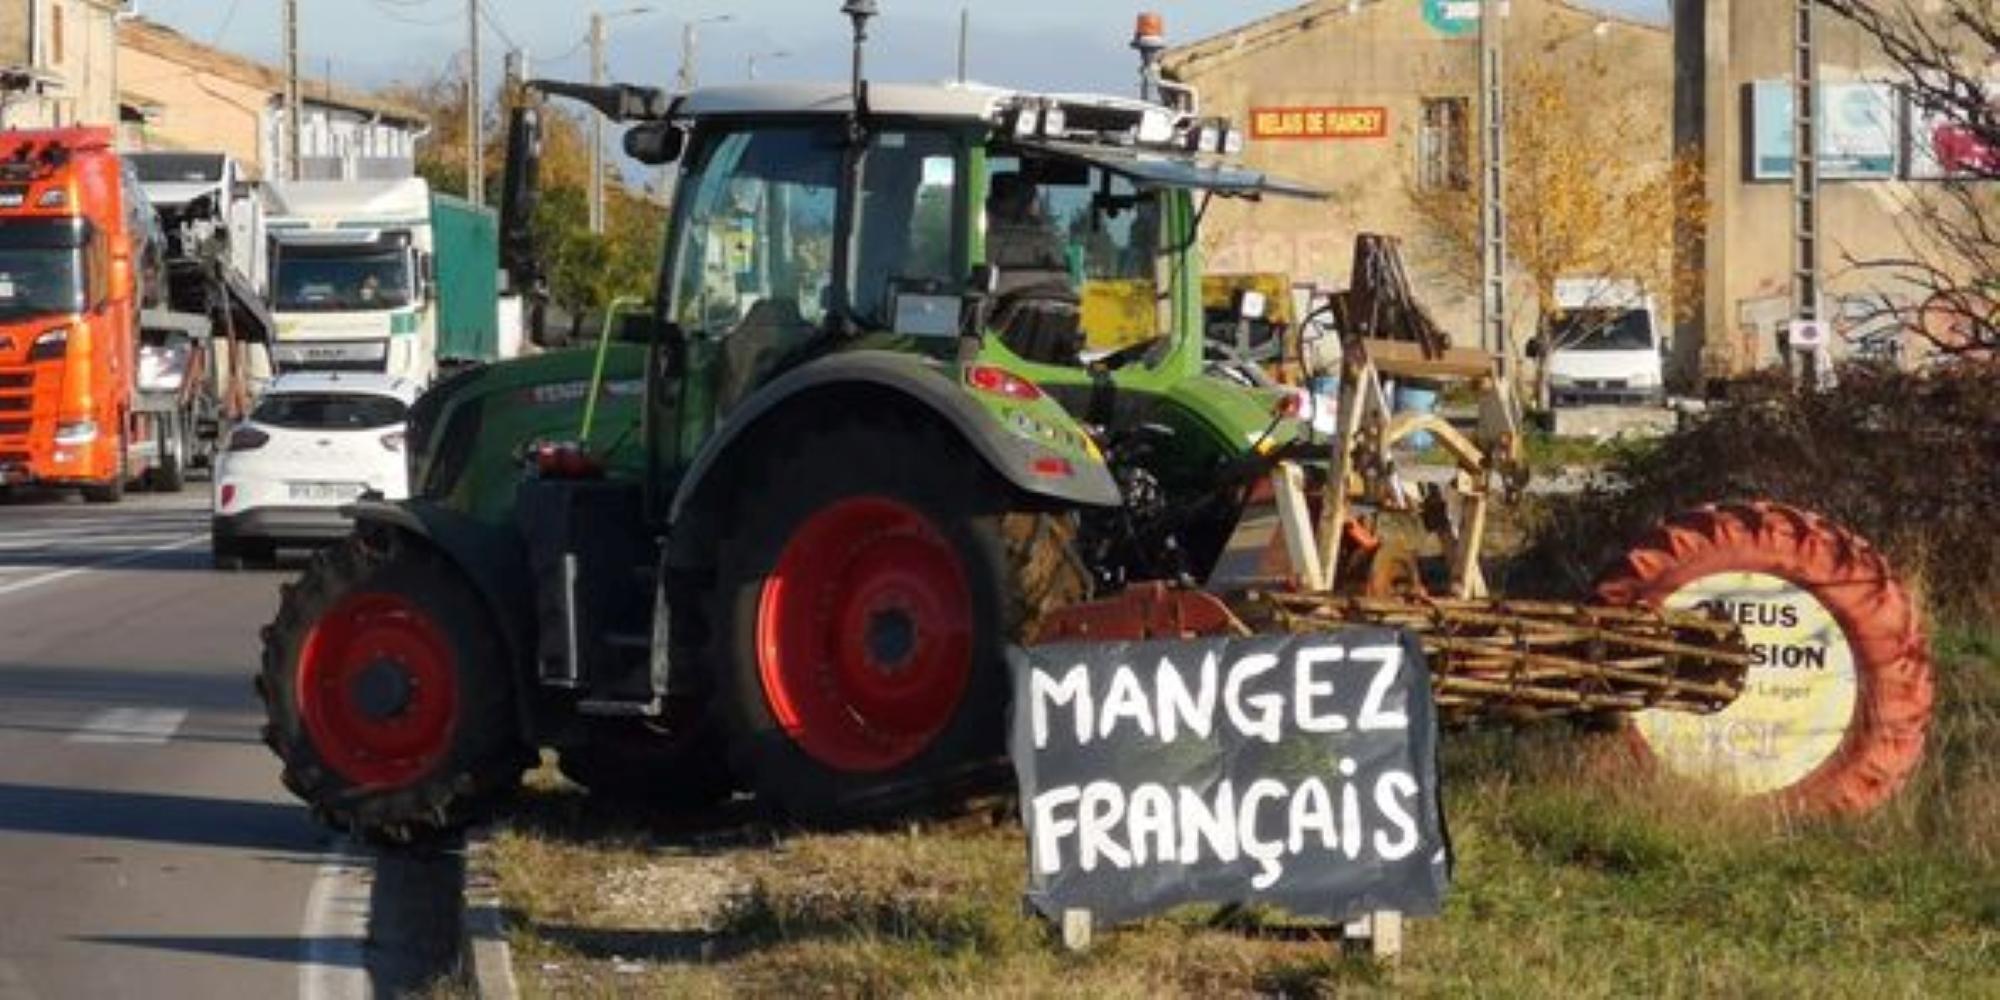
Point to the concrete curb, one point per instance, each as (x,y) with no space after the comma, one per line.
(487,961)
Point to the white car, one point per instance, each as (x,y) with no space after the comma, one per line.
(313,443)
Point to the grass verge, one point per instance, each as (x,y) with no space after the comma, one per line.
(1576,877)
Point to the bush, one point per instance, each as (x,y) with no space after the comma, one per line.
(1911,462)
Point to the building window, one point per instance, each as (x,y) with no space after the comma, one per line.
(1444,143)
(56,36)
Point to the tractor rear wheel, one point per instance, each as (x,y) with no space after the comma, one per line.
(1838,702)
(387,694)
(866,600)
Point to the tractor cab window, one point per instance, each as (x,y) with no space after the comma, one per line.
(908,233)
(1079,259)
(754,267)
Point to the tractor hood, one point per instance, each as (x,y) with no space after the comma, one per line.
(1153,169)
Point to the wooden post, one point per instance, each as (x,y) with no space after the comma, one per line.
(1295,522)
(1381,932)
(1076,929)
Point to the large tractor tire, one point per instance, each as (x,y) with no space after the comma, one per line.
(1838,701)
(868,588)
(387,694)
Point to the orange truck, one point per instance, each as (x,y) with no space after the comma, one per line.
(80,259)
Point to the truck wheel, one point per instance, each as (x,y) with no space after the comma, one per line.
(1838,702)
(866,600)
(635,762)
(387,695)
(113,491)
(170,475)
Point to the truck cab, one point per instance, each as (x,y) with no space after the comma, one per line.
(350,266)
(1605,344)
(80,256)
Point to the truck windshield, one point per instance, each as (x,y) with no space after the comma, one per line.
(43,267)
(342,277)
(177,168)
(1604,330)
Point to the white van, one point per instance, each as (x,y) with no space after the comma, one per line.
(1608,344)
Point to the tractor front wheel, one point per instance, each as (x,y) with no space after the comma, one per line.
(867,597)
(387,695)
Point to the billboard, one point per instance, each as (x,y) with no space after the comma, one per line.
(1860,138)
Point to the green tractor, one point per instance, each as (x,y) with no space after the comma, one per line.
(837,469)
(926,375)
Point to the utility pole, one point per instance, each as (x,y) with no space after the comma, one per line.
(1492,181)
(597,126)
(475,119)
(288,156)
(1805,167)
(688,43)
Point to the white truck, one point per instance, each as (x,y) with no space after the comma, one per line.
(1605,344)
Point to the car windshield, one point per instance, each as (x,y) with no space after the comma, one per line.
(1604,330)
(328,411)
(340,278)
(43,268)
(177,168)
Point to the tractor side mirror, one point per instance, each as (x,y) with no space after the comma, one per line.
(655,143)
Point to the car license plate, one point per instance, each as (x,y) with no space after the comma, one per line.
(325,491)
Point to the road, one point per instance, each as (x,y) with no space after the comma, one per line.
(146,846)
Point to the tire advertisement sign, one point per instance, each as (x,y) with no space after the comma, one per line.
(1797,703)
(1861,136)
(1291,771)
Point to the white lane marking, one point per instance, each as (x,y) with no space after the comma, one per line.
(148,726)
(129,557)
(336,927)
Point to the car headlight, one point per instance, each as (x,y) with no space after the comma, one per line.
(50,345)
(1645,379)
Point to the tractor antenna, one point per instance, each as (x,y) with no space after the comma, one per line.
(860,12)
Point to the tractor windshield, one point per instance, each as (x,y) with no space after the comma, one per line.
(1072,240)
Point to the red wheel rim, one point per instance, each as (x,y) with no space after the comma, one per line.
(377,690)
(864,634)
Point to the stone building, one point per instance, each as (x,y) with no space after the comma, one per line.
(58,63)
(1376,101)
(196,97)
(1734,64)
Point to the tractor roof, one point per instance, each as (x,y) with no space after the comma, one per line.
(970,102)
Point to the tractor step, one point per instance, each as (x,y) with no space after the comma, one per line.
(614,709)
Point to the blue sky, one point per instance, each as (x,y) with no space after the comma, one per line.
(1048,44)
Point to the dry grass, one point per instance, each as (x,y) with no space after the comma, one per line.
(1576,877)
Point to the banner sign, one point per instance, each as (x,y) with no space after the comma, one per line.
(1319,123)
(1292,771)
(1860,131)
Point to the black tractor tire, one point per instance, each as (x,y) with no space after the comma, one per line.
(634,762)
(170,475)
(388,694)
(113,491)
(904,535)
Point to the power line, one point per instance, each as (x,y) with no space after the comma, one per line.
(493,21)
(392,12)
(228,18)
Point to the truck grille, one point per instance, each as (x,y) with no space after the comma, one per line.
(16,404)
(17,380)
(9,427)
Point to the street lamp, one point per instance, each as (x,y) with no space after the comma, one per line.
(690,42)
(597,22)
(756,57)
